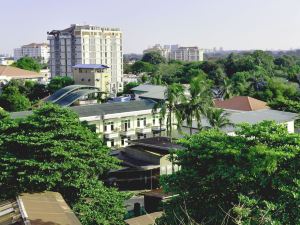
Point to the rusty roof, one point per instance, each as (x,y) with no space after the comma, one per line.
(242,103)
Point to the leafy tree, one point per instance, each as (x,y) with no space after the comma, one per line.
(28,63)
(3,114)
(217,118)
(59,82)
(142,67)
(144,78)
(283,104)
(12,100)
(250,178)
(153,58)
(52,150)
(38,91)
(129,86)
(285,61)
(169,72)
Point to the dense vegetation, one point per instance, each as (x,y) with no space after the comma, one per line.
(52,150)
(250,178)
(19,95)
(28,63)
(257,74)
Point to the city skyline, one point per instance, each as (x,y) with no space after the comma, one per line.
(233,24)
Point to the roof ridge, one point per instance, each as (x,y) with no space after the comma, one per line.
(249,100)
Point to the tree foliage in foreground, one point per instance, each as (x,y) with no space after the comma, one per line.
(250,178)
(52,150)
(12,100)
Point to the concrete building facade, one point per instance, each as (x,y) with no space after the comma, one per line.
(93,75)
(189,54)
(87,44)
(38,51)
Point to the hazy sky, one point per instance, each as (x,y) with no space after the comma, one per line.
(232,24)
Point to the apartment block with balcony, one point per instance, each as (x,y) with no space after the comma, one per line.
(38,51)
(189,54)
(87,44)
(118,123)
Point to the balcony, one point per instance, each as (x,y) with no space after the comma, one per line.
(129,132)
(112,134)
(144,130)
(158,128)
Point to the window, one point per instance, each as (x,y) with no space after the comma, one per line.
(141,120)
(125,125)
(82,79)
(122,141)
(112,143)
(89,80)
(107,124)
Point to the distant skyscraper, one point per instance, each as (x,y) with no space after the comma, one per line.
(87,44)
(33,50)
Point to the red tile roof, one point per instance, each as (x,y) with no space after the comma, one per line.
(242,103)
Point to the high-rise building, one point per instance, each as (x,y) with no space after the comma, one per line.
(38,51)
(189,54)
(87,44)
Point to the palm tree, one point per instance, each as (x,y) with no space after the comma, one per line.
(174,96)
(199,101)
(218,118)
(227,89)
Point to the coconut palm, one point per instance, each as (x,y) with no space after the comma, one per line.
(226,88)
(218,118)
(174,96)
(199,101)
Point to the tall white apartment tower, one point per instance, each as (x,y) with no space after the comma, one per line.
(87,44)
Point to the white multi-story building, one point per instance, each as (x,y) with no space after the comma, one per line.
(174,52)
(163,51)
(189,54)
(33,50)
(87,44)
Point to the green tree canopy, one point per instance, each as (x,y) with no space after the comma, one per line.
(250,178)
(28,63)
(12,100)
(129,86)
(153,58)
(59,82)
(52,150)
(140,67)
